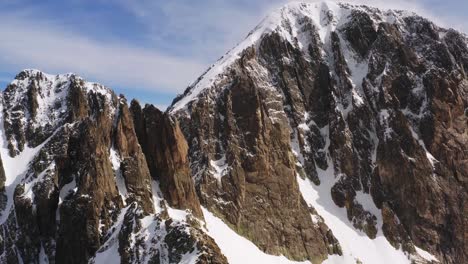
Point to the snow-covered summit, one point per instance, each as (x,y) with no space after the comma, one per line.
(27,76)
(51,88)
(288,22)
(38,102)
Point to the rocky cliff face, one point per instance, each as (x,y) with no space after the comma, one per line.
(78,186)
(166,150)
(361,106)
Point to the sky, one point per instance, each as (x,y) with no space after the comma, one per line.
(150,50)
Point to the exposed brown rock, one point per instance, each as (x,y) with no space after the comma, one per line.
(171,240)
(3,196)
(77,103)
(134,167)
(70,199)
(2,176)
(360,32)
(257,193)
(165,149)
(78,234)
(394,231)
(285,108)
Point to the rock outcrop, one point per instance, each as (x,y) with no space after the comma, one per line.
(2,186)
(166,151)
(245,170)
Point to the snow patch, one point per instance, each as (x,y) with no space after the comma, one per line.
(157,196)
(384,119)
(368,204)
(220,167)
(358,70)
(288,23)
(429,156)
(296,149)
(355,244)
(283,22)
(67,189)
(43,258)
(237,249)
(190,257)
(109,252)
(120,181)
(176,214)
(28,186)
(15,168)
(425,255)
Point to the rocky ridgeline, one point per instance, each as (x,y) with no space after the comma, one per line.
(366,107)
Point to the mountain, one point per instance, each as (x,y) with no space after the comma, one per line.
(351,114)
(80,188)
(333,133)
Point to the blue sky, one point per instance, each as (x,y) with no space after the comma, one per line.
(147,49)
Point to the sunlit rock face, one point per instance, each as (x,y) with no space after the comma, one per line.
(365,105)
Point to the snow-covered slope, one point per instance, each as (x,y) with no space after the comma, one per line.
(237,248)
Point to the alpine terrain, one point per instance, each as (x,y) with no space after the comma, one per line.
(334,133)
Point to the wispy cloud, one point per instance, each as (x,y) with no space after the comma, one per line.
(46,46)
(201,29)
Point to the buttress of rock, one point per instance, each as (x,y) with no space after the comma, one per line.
(166,150)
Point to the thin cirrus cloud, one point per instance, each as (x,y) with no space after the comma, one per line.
(204,30)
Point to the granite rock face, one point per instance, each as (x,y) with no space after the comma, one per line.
(166,151)
(370,104)
(245,171)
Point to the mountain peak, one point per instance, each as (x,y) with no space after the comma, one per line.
(45,81)
(41,102)
(39,75)
(356,96)
(292,22)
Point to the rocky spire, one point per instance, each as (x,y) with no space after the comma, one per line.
(166,151)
